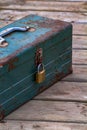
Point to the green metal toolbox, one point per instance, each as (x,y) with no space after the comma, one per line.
(35,52)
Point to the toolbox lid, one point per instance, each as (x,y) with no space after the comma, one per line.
(25,33)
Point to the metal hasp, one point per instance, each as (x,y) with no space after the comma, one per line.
(3,42)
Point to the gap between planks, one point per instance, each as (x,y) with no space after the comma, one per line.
(47,121)
(38,125)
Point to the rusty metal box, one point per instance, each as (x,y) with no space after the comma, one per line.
(23,45)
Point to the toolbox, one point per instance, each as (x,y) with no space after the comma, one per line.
(35,52)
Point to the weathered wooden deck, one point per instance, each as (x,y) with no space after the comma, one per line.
(64,105)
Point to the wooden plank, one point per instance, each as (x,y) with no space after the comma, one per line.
(76,78)
(65,91)
(80,57)
(79,29)
(79,69)
(36,110)
(4,23)
(80,42)
(66,16)
(38,125)
(79,74)
(46,6)
(7,2)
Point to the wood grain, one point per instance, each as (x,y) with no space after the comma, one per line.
(80,57)
(4,23)
(79,42)
(79,29)
(24,1)
(79,69)
(45,6)
(79,74)
(51,111)
(38,125)
(65,91)
(76,78)
(66,16)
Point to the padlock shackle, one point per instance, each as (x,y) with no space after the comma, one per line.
(38,69)
(40,75)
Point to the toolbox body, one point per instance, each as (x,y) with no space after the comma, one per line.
(18,59)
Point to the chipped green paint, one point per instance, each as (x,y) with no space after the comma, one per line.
(18,85)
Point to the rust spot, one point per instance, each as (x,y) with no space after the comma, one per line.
(2,115)
(70,69)
(55,25)
(54,80)
(57,77)
(11,64)
(38,56)
(42,88)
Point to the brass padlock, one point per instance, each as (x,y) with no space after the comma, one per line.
(40,75)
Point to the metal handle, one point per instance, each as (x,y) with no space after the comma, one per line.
(3,33)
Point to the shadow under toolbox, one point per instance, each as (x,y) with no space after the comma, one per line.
(35,52)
